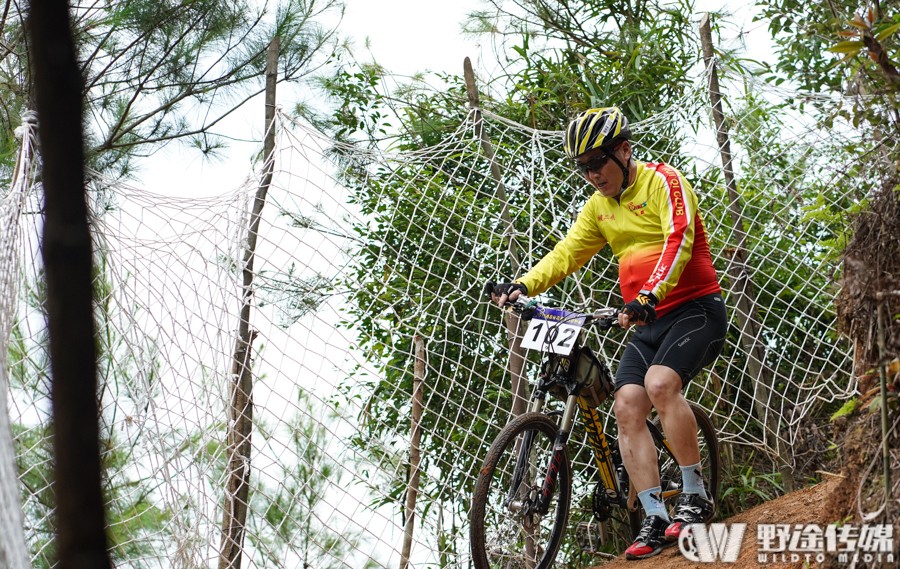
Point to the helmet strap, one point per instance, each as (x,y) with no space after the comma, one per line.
(622,166)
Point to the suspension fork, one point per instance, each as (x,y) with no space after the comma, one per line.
(521,468)
(559,452)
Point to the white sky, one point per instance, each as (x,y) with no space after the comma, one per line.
(407,36)
(404,36)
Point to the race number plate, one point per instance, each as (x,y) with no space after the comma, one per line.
(553,330)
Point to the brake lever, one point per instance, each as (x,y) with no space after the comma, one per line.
(606,318)
(524,306)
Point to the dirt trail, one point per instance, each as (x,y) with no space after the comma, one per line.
(807,506)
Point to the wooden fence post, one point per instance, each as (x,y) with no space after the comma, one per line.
(415,451)
(516,356)
(739,271)
(237,489)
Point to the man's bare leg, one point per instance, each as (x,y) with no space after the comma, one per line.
(631,407)
(663,385)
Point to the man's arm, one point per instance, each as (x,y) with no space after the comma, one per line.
(582,242)
(677,204)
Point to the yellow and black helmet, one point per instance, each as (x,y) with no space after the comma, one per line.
(596,128)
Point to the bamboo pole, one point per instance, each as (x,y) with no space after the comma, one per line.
(415,452)
(739,271)
(237,490)
(516,357)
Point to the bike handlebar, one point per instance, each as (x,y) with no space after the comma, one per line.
(606,317)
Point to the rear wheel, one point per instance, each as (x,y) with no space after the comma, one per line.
(506,531)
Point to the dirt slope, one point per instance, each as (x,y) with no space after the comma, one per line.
(807,506)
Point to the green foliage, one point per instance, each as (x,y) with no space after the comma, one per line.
(847,48)
(34,464)
(295,295)
(746,488)
(360,108)
(803,33)
(289,516)
(137,525)
(397,293)
(566,56)
(157,71)
(841,46)
(133,521)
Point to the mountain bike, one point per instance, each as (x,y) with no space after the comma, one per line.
(522,498)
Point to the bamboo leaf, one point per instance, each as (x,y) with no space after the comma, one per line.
(853,47)
(858,22)
(887,32)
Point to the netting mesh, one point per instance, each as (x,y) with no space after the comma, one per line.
(12,545)
(359,252)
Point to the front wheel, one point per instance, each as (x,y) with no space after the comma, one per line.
(506,531)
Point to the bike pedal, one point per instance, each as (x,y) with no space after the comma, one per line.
(590,536)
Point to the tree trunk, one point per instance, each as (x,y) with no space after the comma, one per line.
(66,248)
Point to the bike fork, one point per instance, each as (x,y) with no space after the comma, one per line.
(559,449)
(512,502)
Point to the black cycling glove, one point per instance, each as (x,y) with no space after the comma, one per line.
(642,309)
(504,288)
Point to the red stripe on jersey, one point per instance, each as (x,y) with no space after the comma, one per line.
(679,221)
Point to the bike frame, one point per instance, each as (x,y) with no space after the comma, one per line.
(572,373)
(601,451)
(603,455)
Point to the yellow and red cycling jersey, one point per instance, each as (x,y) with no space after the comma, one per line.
(654,230)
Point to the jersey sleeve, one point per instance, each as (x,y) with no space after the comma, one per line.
(677,204)
(582,242)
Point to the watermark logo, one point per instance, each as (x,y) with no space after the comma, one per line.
(718,542)
(847,543)
(791,543)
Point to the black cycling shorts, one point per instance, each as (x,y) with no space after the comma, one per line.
(686,339)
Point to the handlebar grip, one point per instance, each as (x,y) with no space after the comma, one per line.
(489,288)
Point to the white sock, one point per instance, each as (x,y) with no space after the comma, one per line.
(651,500)
(692,480)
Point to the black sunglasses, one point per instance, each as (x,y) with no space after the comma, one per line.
(592,165)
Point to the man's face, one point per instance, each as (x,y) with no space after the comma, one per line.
(603,173)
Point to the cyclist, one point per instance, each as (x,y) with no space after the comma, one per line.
(647,213)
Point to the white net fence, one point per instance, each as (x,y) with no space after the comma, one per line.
(358,253)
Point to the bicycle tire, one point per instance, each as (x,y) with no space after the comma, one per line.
(635,519)
(499,537)
(669,471)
